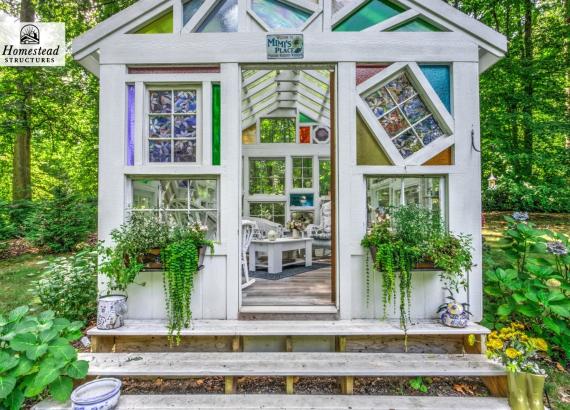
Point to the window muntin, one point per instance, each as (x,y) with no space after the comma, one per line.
(386,193)
(179,201)
(277,130)
(272,211)
(172,129)
(267,176)
(302,172)
(404,115)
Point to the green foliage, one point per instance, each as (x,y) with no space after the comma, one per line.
(69,286)
(36,356)
(282,130)
(419,384)
(413,235)
(528,281)
(62,222)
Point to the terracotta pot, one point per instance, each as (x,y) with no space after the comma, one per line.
(535,385)
(518,391)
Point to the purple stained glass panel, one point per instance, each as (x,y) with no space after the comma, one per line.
(429,130)
(161,102)
(130,124)
(400,89)
(160,127)
(380,102)
(160,151)
(185,151)
(185,126)
(185,101)
(415,110)
(394,122)
(407,143)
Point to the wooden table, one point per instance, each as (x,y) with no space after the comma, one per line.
(275,249)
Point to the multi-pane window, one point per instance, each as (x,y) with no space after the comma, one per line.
(387,193)
(179,201)
(277,130)
(173,125)
(324,177)
(267,176)
(403,114)
(272,211)
(302,172)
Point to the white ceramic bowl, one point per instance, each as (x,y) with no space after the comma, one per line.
(100,394)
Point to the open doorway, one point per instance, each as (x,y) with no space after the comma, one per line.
(288,222)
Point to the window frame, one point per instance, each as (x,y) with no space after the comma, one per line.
(181,86)
(273,203)
(276,117)
(252,194)
(303,177)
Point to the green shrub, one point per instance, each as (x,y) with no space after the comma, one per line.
(69,286)
(509,195)
(62,222)
(36,355)
(527,280)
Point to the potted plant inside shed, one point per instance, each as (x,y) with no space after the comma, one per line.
(411,239)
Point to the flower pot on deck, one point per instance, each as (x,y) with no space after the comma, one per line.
(111,310)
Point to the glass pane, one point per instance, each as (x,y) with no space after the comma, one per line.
(439,77)
(400,89)
(203,194)
(185,101)
(272,211)
(216,124)
(407,143)
(429,130)
(159,151)
(306,217)
(185,151)
(380,102)
(267,177)
(160,101)
(279,15)
(249,135)
(415,110)
(185,126)
(174,194)
(371,13)
(223,18)
(324,177)
(164,24)
(159,127)
(417,24)
(145,194)
(278,130)
(368,150)
(394,122)
(189,9)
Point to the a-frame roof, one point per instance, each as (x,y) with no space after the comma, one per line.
(325,15)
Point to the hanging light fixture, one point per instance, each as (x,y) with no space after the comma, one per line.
(492,181)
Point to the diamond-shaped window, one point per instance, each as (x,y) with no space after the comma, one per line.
(404,114)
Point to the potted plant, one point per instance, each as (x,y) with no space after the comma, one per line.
(296,226)
(518,352)
(414,235)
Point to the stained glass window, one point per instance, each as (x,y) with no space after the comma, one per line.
(130,124)
(179,201)
(189,9)
(417,24)
(277,130)
(267,176)
(223,18)
(439,77)
(302,172)
(279,15)
(163,24)
(369,14)
(403,114)
(172,125)
(368,151)
(216,124)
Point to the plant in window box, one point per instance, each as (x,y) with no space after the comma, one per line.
(398,244)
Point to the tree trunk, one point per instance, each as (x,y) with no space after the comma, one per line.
(528,57)
(22,179)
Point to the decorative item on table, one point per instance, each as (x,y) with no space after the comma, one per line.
(272,235)
(453,313)
(513,348)
(295,226)
(100,394)
(110,311)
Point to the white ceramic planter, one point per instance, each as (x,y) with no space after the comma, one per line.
(100,394)
(110,311)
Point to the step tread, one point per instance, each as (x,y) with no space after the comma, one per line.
(289,364)
(289,328)
(274,402)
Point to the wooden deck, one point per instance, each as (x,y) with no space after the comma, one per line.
(305,289)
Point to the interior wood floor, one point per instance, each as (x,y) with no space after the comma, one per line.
(305,289)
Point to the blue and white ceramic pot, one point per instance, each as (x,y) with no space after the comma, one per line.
(455,320)
(111,311)
(100,394)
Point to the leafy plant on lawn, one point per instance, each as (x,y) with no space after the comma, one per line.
(528,281)
(36,356)
(69,286)
(419,384)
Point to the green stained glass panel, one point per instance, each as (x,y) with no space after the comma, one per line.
(279,15)
(417,24)
(163,24)
(305,119)
(369,14)
(216,124)
(222,19)
(189,9)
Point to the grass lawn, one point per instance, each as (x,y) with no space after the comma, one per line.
(16,277)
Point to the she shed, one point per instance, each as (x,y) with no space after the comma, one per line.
(270,117)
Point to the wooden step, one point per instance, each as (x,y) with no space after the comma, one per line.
(274,402)
(288,364)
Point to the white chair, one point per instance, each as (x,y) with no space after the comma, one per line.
(263,226)
(247,230)
(321,233)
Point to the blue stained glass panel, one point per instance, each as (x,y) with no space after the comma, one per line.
(159,151)
(184,101)
(189,9)
(415,110)
(279,15)
(380,102)
(407,143)
(400,89)
(161,101)
(439,77)
(394,122)
(185,126)
(429,130)
(159,127)
(185,151)
(223,18)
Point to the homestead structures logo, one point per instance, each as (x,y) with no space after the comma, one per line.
(30,34)
(37,44)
